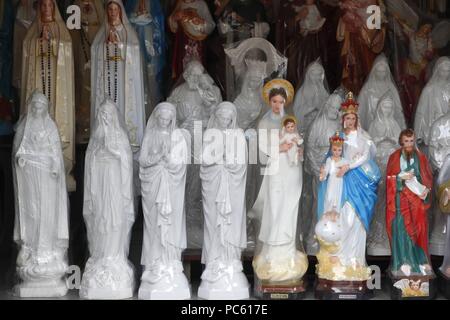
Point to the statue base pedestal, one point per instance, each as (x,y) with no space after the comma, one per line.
(225,289)
(289,290)
(177,289)
(444,285)
(415,287)
(106,294)
(342,290)
(31,290)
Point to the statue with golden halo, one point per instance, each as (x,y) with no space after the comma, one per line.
(280,262)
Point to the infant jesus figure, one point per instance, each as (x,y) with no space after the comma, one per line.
(289,135)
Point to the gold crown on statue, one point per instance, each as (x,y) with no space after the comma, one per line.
(337,140)
(349,105)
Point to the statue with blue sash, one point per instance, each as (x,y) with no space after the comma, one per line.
(345,208)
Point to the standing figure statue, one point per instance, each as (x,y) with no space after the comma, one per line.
(116,74)
(25,15)
(224,173)
(148,20)
(163,161)
(433,102)
(41,226)
(48,66)
(194,100)
(408,197)
(279,258)
(384,131)
(311,96)
(379,82)
(92,15)
(345,267)
(108,208)
(192,23)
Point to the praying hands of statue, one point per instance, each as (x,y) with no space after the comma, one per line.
(342,171)
(46,33)
(113,37)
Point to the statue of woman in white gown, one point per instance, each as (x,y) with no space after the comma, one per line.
(223,173)
(41,225)
(277,258)
(116,74)
(108,208)
(378,82)
(163,160)
(384,131)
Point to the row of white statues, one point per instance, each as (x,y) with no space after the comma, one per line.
(108,47)
(41,227)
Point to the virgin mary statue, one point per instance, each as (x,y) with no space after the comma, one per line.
(47,65)
(41,225)
(116,73)
(108,208)
(277,258)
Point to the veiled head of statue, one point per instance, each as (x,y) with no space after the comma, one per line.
(47,10)
(316,73)
(114,12)
(165,114)
(381,70)
(332,106)
(444,70)
(107,114)
(256,73)
(194,69)
(386,105)
(225,114)
(38,104)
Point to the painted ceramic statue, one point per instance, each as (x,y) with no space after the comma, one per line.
(48,66)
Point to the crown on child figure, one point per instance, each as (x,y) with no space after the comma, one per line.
(349,105)
(337,140)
